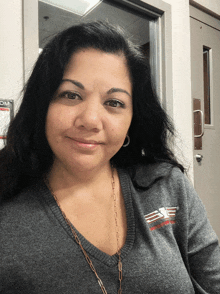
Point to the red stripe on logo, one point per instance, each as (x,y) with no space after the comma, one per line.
(163,224)
(4,109)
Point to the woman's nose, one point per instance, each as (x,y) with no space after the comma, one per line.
(89,116)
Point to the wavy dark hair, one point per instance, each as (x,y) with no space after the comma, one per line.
(27,154)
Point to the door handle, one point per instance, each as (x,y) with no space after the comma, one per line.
(202,123)
(199,157)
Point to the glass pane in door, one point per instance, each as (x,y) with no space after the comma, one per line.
(206,80)
(57,15)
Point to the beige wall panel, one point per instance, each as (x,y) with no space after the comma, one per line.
(209,5)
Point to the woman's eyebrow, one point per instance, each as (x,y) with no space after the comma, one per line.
(76,83)
(114,90)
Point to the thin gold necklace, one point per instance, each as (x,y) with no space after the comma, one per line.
(80,244)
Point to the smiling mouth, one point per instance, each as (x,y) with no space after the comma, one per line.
(85,143)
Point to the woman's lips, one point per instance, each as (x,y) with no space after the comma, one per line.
(87,144)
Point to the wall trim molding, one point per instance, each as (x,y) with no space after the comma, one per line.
(204,9)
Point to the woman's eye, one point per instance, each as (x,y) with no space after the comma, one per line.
(70,95)
(115,103)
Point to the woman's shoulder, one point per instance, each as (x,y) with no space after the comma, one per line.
(165,181)
(22,222)
(25,203)
(147,174)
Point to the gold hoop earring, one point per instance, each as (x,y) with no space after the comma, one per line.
(126,144)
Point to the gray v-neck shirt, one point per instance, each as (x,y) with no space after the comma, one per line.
(170,246)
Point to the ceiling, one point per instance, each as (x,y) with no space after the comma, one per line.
(53,20)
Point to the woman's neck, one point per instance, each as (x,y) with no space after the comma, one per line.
(75,183)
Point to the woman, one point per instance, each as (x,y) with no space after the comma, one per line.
(93,200)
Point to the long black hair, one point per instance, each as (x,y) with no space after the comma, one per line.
(27,155)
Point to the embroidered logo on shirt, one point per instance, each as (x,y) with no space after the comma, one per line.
(167,214)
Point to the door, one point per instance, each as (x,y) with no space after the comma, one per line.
(205,62)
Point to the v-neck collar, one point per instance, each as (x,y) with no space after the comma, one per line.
(109,260)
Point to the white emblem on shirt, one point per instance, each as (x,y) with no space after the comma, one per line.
(162,213)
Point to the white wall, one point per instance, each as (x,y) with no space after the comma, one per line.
(31,35)
(14,25)
(178,79)
(11,50)
(181,82)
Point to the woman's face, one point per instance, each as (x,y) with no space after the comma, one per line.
(89,117)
